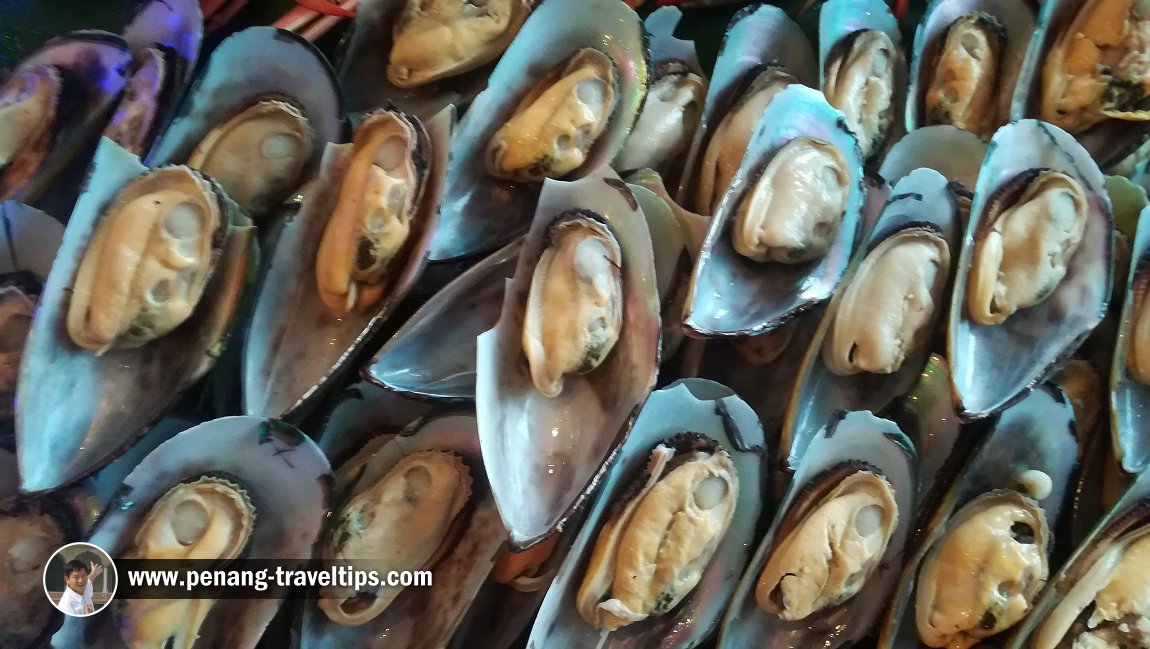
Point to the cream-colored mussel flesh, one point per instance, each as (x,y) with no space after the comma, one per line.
(258,155)
(1098,67)
(149,261)
(1025,250)
(1138,340)
(793,212)
(860,82)
(402,522)
(730,139)
(135,118)
(28,103)
(964,86)
(380,195)
(16,310)
(668,120)
(208,519)
(434,39)
(981,575)
(574,312)
(886,312)
(655,548)
(826,557)
(1109,606)
(552,130)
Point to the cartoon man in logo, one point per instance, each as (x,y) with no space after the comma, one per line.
(77,598)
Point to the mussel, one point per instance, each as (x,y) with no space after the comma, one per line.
(668,119)
(443,38)
(964,85)
(688,496)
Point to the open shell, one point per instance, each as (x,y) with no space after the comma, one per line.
(1031,449)
(875,336)
(287,481)
(850,443)
(1108,141)
(528,437)
(1129,381)
(94,65)
(863,70)
(479,214)
(1002,30)
(770,294)
(450,75)
(460,553)
(995,364)
(279,380)
(757,37)
(952,152)
(60,445)
(1088,600)
(698,412)
(259,64)
(674,105)
(411,362)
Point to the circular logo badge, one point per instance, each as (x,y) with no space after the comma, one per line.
(80,579)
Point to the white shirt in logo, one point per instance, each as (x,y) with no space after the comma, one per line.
(73,603)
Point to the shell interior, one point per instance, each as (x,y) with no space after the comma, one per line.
(952,152)
(1129,387)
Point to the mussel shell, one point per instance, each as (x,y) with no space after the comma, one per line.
(288,480)
(673,257)
(412,362)
(29,240)
(531,439)
(419,617)
(1130,513)
(923,200)
(687,406)
(364,412)
(757,35)
(1036,434)
(770,294)
(1129,398)
(362,68)
(952,152)
(97,63)
(30,532)
(1107,142)
(285,371)
(994,365)
(479,213)
(111,397)
(250,65)
(1015,17)
(855,439)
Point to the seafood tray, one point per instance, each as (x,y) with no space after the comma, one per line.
(668,324)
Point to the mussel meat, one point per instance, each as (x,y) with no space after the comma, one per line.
(1024,253)
(574,312)
(829,553)
(980,577)
(964,84)
(206,519)
(860,81)
(1097,69)
(16,310)
(137,117)
(402,522)
(653,551)
(886,313)
(553,128)
(148,262)
(258,155)
(668,121)
(28,105)
(793,212)
(434,39)
(380,195)
(1138,341)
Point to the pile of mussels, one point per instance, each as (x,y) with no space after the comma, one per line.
(844,341)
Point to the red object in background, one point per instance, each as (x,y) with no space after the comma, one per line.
(326,7)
